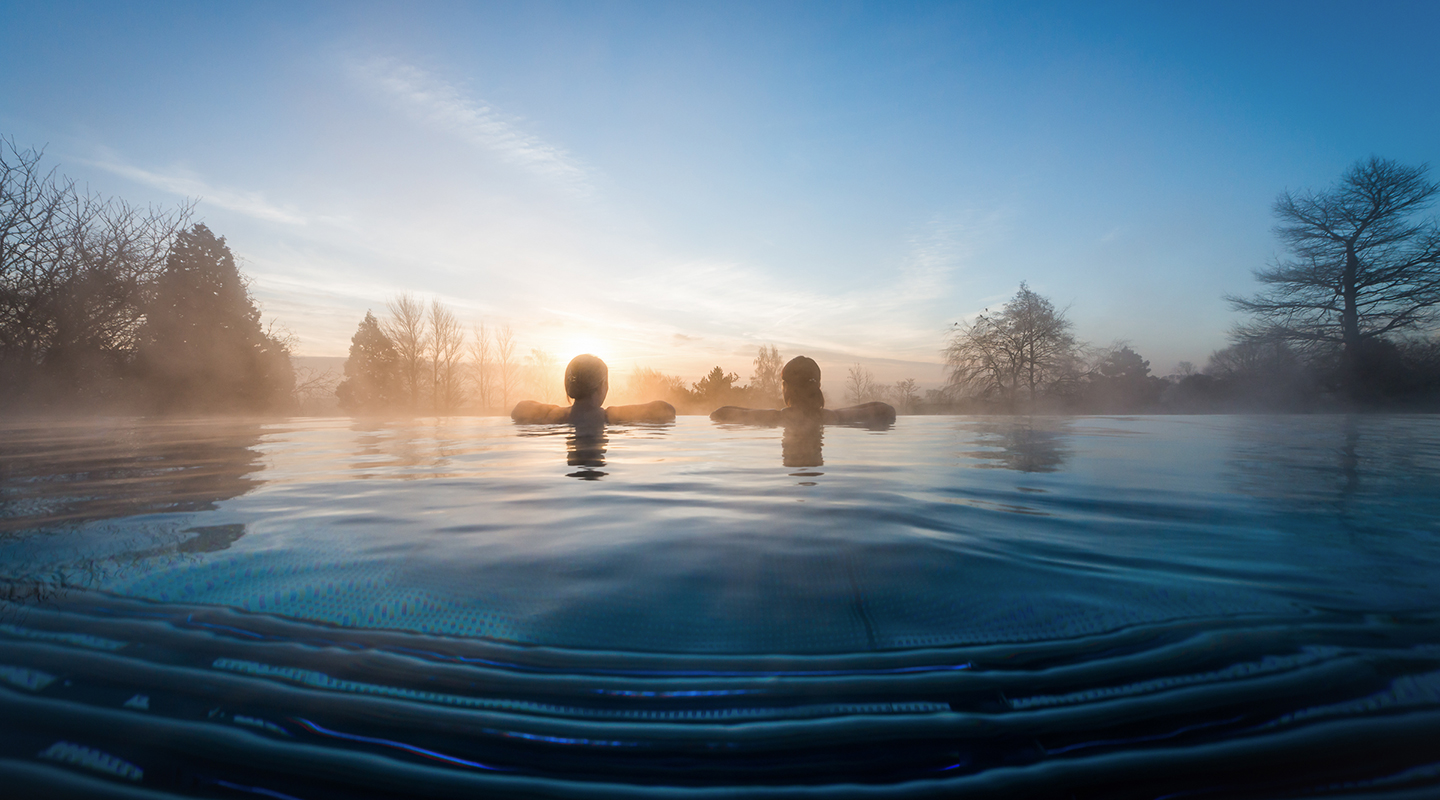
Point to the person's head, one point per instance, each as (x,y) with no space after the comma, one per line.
(587,378)
(800,384)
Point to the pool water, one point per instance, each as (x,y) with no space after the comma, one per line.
(981,606)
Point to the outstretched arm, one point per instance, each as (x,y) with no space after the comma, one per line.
(747,416)
(655,411)
(531,411)
(866,414)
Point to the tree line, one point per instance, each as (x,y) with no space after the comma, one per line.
(104,304)
(1347,319)
(420,359)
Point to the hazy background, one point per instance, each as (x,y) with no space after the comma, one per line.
(673,185)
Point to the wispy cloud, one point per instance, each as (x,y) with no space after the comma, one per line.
(436,102)
(901,309)
(187,184)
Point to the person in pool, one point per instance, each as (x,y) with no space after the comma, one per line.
(587,381)
(800,386)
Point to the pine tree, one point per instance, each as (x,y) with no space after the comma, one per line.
(372,372)
(202,347)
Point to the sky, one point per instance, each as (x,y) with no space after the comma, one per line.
(674,185)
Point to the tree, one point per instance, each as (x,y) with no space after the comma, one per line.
(505,363)
(480,373)
(313,388)
(544,376)
(645,384)
(765,383)
(1361,265)
(407,331)
(906,394)
(1121,382)
(76,273)
(1260,373)
(372,372)
(445,345)
(1015,355)
(860,386)
(717,387)
(202,347)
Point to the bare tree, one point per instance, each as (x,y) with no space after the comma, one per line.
(1015,355)
(312,388)
(644,384)
(860,386)
(541,372)
(506,367)
(408,332)
(446,347)
(480,371)
(906,394)
(76,274)
(1361,265)
(765,383)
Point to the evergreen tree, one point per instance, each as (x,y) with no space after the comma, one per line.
(372,372)
(202,347)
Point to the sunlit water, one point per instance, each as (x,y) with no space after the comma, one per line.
(999,607)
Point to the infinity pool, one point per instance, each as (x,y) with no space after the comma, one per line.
(995,607)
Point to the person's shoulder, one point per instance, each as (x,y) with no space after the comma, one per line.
(531,411)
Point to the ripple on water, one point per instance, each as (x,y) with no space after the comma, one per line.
(1049,606)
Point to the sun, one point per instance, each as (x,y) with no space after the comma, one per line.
(595,346)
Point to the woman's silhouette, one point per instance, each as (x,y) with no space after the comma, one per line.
(587,381)
(804,402)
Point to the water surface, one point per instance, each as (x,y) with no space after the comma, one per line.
(1089,607)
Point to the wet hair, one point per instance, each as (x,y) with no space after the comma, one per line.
(800,381)
(584,376)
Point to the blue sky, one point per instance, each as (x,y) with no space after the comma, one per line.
(674,184)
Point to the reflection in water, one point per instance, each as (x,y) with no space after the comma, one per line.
(1368,473)
(212,538)
(1027,444)
(57,475)
(585,448)
(801,444)
(60,483)
(1350,458)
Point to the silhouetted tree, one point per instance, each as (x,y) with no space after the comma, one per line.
(445,345)
(481,371)
(1258,374)
(372,372)
(717,388)
(1361,265)
(544,376)
(906,394)
(1121,382)
(644,384)
(202,347)
(75,274)
(765,382)
(507,370)
(407,331)
(860,386)
(1016,355)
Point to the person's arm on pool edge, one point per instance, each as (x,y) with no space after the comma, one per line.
(865,414)
(531,411)
(654,411)
(747,416)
